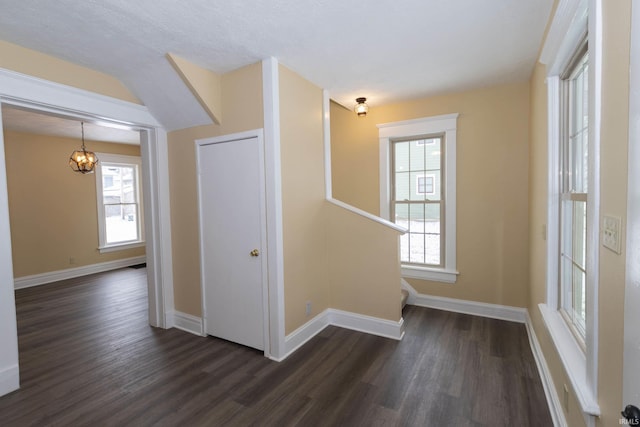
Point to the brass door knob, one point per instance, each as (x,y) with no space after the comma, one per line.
(254,252)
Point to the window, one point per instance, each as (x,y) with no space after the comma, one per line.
(414,202)
(418,192)
(574,161)
(120,220)
(572,55)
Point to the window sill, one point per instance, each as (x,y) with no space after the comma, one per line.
(122,247)
(426,273)
(573,359)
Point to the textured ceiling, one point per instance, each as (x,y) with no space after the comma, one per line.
(27,121)
(385,50)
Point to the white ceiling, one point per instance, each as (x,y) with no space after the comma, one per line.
(31,122)
(385,50)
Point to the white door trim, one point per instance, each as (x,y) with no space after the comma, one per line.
(264,249)
(45,96)
(273,190)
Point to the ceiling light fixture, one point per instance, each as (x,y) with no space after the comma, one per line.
(83,161)
(361,107)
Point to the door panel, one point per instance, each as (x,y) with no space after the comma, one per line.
(232,226)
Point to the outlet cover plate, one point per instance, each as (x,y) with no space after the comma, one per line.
(611,231)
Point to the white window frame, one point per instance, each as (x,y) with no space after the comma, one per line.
(573,20)
(444,124)
(118,160)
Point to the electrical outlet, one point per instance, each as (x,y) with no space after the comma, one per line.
(72,260)
(611,230)
(308,308)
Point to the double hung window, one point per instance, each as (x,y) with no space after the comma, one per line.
(418,192)
(120,219)
(574,187)
(417,203)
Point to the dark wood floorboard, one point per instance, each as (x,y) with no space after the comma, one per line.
(89,358)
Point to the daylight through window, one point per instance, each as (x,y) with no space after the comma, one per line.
(119,207)
(417,203)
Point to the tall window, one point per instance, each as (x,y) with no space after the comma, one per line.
(418,192)
(573,62)
(574,187)
(417,203)
(119,202)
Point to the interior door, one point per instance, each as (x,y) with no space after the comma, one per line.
(233,234)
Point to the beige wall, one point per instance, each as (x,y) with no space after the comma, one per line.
(613,200)
(303,201)
(52,209)
(492,201)
(242,110)
(364,267)
(47,67)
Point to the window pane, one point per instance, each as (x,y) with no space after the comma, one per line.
(121,223)
(401,156)
(579,253)
(402,186)
(433,166)
(416,177)
(579,300)
(416,248)
(417,153)
(416,223)
(433,230)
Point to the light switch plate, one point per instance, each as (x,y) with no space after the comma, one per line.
(611,230)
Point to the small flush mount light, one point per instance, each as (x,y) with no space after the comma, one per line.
(83,161)
(361,107)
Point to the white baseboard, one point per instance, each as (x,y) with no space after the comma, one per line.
(70,273)
(553,400)
(482,309)
(367,324)
(343,319)
(304,333)
(9,380)
(185,322)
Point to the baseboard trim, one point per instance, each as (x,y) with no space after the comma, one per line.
(367,324)
(9,380)
(186,322)
(70,273)
(553,400)
(304,333)
(343,319)
(482,309)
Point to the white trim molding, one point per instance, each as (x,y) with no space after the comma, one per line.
(550,391)
(343,319)
(482,309)
(367,324)
(447,124)
(187,322)
(70,273)
(367,215)
(9,379)
(572,357)
(273,193)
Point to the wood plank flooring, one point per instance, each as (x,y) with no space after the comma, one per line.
(88,358)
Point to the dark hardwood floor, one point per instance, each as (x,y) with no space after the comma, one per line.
(88,358)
